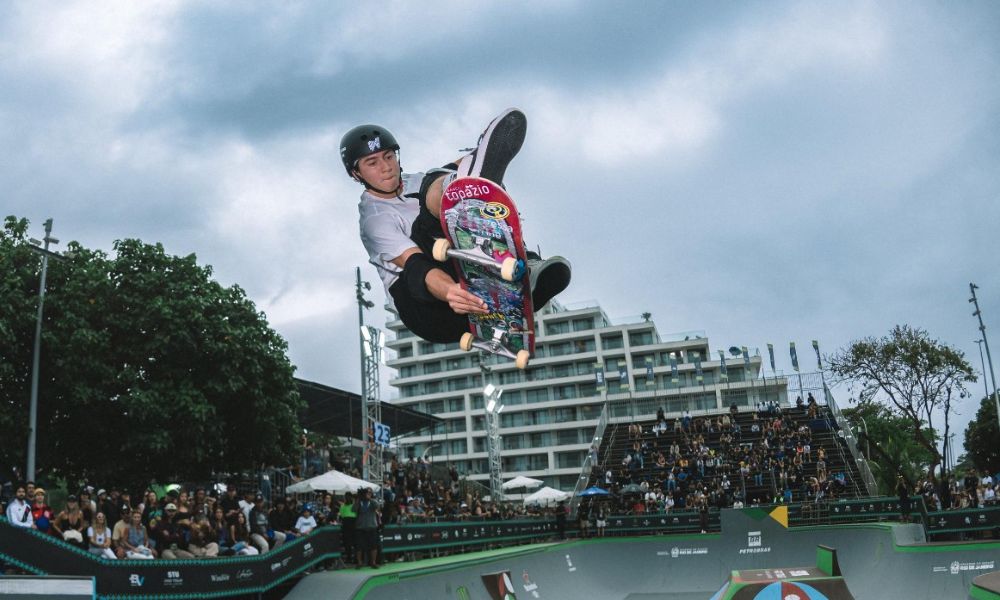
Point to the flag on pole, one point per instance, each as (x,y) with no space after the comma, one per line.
(623,376)
(599,376)
(795,357)
(723,374)
(674,377)
(770,352)
(746,360)
(649,368)
(699,375)
(819,362)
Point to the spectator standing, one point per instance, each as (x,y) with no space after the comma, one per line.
(366,528)
(903,491)
(348,520)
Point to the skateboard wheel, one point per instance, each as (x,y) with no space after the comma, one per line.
(440,249)
(523,356)
(511,269)
(467,338)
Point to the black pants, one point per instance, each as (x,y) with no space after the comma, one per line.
(427,317)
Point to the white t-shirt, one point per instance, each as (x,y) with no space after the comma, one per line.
(386,224)
(305,524)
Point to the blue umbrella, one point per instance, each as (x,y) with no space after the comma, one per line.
(594,491)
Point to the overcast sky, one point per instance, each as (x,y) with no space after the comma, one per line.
(765,171)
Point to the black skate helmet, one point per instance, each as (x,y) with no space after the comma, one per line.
(363,140)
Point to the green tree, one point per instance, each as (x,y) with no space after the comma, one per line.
(913,376)
(981,438)
(150,368)
(889,443)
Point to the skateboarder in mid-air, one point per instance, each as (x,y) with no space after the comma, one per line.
(400,220)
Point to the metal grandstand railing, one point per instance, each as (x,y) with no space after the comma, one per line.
(851,439)
(589,462)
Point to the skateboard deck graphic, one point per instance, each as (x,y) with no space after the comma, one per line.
(484,240)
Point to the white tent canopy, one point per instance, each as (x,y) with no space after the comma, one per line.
(522,482)
(546,497)
(331,481)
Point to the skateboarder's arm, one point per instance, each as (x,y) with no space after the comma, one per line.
(440,285)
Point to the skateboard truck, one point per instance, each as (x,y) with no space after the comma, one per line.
(495,346)
(510,268)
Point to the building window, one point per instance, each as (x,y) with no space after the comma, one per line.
(560,349)
(583,324)
(456,404)
(541,440)
(564,415)
(568,436)
(539,395)
(641,338)
(432,367)
(565,392)
(612,342)
(432,387)
(581,346)
(570,460)
(564,370)
(459,447)
(405,351)
(556,328)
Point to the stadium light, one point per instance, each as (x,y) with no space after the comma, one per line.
(491,404)
(36,354)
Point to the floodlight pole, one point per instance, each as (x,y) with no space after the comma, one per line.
(36,354)
(371,413)
(982,329)
(982,361)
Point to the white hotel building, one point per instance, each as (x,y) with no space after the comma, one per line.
(552,408)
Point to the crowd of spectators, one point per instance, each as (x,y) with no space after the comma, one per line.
(721,461)
(225,520)
(974,489)
(179,523)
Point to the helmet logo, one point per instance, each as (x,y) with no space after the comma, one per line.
(374,144)
(495,210)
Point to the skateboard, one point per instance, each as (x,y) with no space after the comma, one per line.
(483,238)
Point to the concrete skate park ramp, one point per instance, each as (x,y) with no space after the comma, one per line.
(878,562)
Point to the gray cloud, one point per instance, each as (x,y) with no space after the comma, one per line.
(766,173)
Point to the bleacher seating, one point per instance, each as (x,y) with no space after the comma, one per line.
(758,482)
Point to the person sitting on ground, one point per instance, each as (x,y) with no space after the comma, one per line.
(119,531)
(306,521)
(201,538)
(239,534)
(99,537)
(262,533)
(400,220)
(170,534)
(135,542)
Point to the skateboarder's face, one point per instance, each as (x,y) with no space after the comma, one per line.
(381,171)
